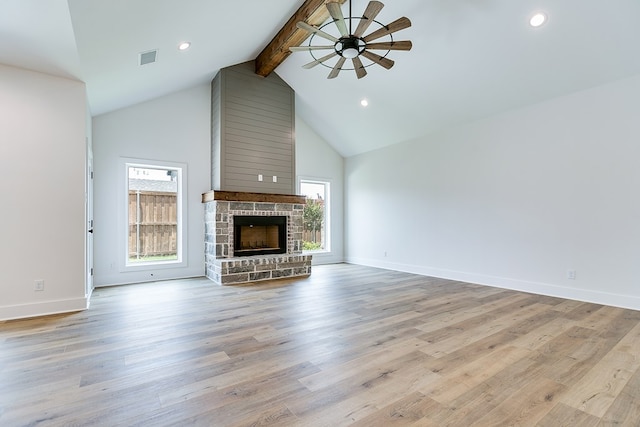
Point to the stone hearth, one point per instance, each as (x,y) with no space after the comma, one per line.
(222,266)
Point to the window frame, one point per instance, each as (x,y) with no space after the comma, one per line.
(327,210)
(181,208)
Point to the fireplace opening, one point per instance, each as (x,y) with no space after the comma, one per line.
(259,235)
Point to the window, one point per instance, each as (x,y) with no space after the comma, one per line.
(316,215)
(154,214)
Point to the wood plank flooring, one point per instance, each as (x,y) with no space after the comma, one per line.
(349,345)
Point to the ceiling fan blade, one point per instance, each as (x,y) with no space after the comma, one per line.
(336,69)
(385,62)
(370,13)
(304,26)
(394,45)
(357,65)
(336,13)
(305,48)
(397,25)
(319,60)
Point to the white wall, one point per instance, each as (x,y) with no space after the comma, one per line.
(315,158)
(173,128)
(42,147)
(512,201)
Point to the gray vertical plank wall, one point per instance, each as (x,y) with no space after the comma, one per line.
(252,132)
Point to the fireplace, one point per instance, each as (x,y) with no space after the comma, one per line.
(259,235)
(252,175)
(253,236)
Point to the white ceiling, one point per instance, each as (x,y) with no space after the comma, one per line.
(470,58)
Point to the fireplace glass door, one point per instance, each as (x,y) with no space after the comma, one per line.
(259,235)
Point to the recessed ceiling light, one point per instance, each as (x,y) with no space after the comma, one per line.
(364,102)
(538,19)
(184,45)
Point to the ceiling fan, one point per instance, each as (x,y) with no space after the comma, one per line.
(354,44)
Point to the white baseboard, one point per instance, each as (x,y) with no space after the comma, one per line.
(45,308)
(597,297)
(133,281)
(323,258)
(126,278)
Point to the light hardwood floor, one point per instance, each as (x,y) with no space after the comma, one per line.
(349,345)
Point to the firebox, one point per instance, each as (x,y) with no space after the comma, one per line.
(259,235)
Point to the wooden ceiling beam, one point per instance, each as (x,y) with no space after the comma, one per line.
(312,12)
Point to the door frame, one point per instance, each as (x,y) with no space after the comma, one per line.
(89,223)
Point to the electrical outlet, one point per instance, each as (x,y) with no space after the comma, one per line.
(571,274)
(39,285)
(260,177)
(275,178)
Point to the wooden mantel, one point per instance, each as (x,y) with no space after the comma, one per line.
(237,196)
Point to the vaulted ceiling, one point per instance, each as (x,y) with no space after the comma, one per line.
(470,58)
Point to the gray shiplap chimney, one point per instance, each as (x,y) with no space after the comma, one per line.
(252,132)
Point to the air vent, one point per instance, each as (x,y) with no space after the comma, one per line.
(148,57)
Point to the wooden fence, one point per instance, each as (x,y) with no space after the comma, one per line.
(153,224)
(307,236)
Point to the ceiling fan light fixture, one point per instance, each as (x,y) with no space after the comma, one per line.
(350,52)
(349,47)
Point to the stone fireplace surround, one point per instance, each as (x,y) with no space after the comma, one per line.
(221,265)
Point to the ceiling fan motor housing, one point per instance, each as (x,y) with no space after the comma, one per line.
(350,46)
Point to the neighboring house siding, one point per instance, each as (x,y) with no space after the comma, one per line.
(153,185)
